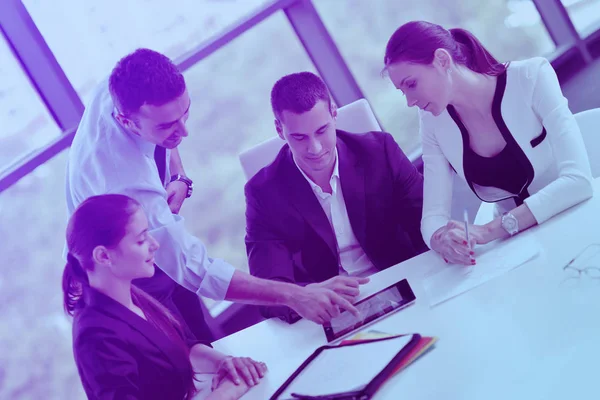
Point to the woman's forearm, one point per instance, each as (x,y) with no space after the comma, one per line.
(204,359)
(522,213)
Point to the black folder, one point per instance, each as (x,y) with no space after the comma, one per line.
(364,392)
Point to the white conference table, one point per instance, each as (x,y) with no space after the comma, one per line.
(523,335)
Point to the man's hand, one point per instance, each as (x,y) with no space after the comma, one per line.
(319,304)
(176,192)
(238,368)
(345,286)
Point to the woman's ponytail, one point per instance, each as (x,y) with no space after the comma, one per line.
(417,41)
(74,281)
(476,56)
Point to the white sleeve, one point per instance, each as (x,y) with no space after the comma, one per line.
(181,255)
(574,182)
(437,188)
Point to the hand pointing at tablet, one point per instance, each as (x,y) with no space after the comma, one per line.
(371,308)
(346,286)
(320,304)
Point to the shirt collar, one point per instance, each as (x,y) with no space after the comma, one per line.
(335,176)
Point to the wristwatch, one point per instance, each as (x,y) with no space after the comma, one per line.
(185,180)
(510,223)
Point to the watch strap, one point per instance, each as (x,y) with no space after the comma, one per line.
(186,180)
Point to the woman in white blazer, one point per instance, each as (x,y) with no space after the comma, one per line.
(504,128)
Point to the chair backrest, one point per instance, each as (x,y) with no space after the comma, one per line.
(589,125)
(354,117)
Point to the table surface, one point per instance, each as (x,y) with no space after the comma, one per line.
(524,334)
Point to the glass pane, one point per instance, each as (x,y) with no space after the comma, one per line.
(510,29)
(585,15)
(35,334)
(107,30)
(231,112)
(26,124)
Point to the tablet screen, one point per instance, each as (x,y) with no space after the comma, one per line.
(370,309)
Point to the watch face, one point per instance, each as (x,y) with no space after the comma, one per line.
(509,223)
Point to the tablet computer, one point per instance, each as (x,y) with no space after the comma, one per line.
(371,309)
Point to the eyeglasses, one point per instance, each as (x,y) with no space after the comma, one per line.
(585,265)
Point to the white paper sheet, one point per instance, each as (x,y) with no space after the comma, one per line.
(345,368)
(493,260)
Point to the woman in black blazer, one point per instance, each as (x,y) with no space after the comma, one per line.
(126,344)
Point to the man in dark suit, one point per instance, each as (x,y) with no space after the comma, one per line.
(334,207)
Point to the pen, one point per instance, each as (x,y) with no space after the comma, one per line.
(466,217)
(341,396)
(355,394)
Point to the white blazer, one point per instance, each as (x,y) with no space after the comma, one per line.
(534,118)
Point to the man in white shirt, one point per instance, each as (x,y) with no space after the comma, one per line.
(126,143)
(334,207)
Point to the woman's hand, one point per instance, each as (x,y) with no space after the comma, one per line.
(235,367)
(450,242)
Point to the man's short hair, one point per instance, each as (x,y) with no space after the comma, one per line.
(298,93)
(144,77)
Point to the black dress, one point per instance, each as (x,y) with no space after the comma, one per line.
(502,171)
(510,170)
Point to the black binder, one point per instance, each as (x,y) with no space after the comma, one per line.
(367,391)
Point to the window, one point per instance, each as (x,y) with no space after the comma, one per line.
(35,334)
(231,112)
(26,123)
(584,14)
(362,44)
(97,33)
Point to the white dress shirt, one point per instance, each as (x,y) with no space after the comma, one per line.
(353,259)
(531,102)
(106,158)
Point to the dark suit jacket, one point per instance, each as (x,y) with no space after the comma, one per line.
(119,355)
(288,235)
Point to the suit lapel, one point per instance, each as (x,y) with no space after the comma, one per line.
(352,177)
(118,311)
(302,197)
